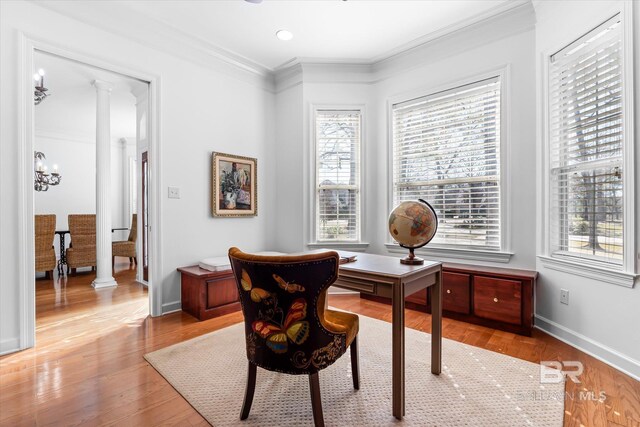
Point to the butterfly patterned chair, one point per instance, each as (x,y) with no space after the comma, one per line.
(288,327)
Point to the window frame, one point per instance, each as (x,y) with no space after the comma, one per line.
(625,274)
(356,243)
(503,254)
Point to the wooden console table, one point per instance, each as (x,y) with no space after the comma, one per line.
(385,276)
(206,294)
(499,298)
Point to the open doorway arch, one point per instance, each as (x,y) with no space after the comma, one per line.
(25,207)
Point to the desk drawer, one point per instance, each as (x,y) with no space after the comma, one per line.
(498,299)
(456,293)
(356,284)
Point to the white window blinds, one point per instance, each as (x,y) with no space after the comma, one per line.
(446,150)
(586,146)
(338,139)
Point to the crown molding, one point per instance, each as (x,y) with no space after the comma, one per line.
(503,8)
(503,22)
(122,21)
(508,18)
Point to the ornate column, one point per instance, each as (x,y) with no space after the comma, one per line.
(104,274)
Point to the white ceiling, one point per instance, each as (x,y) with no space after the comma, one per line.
(71,107)
(330,30)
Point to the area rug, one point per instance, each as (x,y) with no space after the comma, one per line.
(476,387)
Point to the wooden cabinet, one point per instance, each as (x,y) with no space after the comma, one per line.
(206,294)
(500,298)
(456,292)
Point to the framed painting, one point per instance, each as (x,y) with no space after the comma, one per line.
(234,185)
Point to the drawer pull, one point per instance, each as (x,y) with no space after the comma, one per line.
(495,299)
(448,291)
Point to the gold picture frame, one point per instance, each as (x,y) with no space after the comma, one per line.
(234,185)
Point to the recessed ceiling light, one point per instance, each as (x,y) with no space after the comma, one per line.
(253,1)
(284,35)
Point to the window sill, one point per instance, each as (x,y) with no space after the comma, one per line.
(467,254)
(345,246)
(616,277)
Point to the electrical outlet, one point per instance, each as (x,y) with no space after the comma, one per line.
(174,193)
(564,296)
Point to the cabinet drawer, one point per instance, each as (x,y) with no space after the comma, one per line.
(497,299)
(221,292)
(455,292)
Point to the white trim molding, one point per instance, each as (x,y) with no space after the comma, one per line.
(27,47)
(616,277)
(587,345)
(503,255)
(171,307)
(625,276)
(313,174)
(340,246)
(455,253)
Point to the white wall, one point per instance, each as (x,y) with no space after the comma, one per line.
(76,194)
(234,115)
(433,69)
(601,318)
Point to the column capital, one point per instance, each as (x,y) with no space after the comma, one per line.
(102,85)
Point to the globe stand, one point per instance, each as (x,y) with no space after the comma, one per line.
(412,259)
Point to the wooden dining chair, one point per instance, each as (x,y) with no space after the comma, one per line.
(45,228)
(288,327)
(82,250)
(127,248)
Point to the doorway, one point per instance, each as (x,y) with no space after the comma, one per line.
(26,208)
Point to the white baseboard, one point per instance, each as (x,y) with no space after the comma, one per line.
(10,345)
(593,348)
(171,307)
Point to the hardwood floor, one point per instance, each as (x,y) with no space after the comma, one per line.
(88,366)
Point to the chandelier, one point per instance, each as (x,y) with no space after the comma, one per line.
(40,92)
(42,178)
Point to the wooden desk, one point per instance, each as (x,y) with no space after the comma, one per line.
(385,276)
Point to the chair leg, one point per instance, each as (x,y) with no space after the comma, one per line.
(316,401)
(248,395)
(47,275)
(355,370)
(130,260)
(113,261)
(73,271)
(135,260)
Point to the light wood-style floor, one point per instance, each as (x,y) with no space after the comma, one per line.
(88,366)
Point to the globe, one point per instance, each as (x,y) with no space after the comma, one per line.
(413,224)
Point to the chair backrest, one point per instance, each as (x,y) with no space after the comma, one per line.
(133,233)
(82,229)
(283,302)
(45,228)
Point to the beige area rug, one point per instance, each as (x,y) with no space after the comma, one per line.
(476,387)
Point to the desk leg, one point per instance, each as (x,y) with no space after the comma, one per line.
(436,325)
(398,350)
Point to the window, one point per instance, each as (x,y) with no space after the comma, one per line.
(338,138)
(586,133)
(446,150)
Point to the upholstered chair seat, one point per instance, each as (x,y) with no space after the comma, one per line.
(288,327)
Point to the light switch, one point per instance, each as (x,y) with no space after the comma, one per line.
(174,192)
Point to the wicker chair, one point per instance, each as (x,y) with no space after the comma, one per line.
(127,248)
(288,327)
(45,227)
(82,251)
